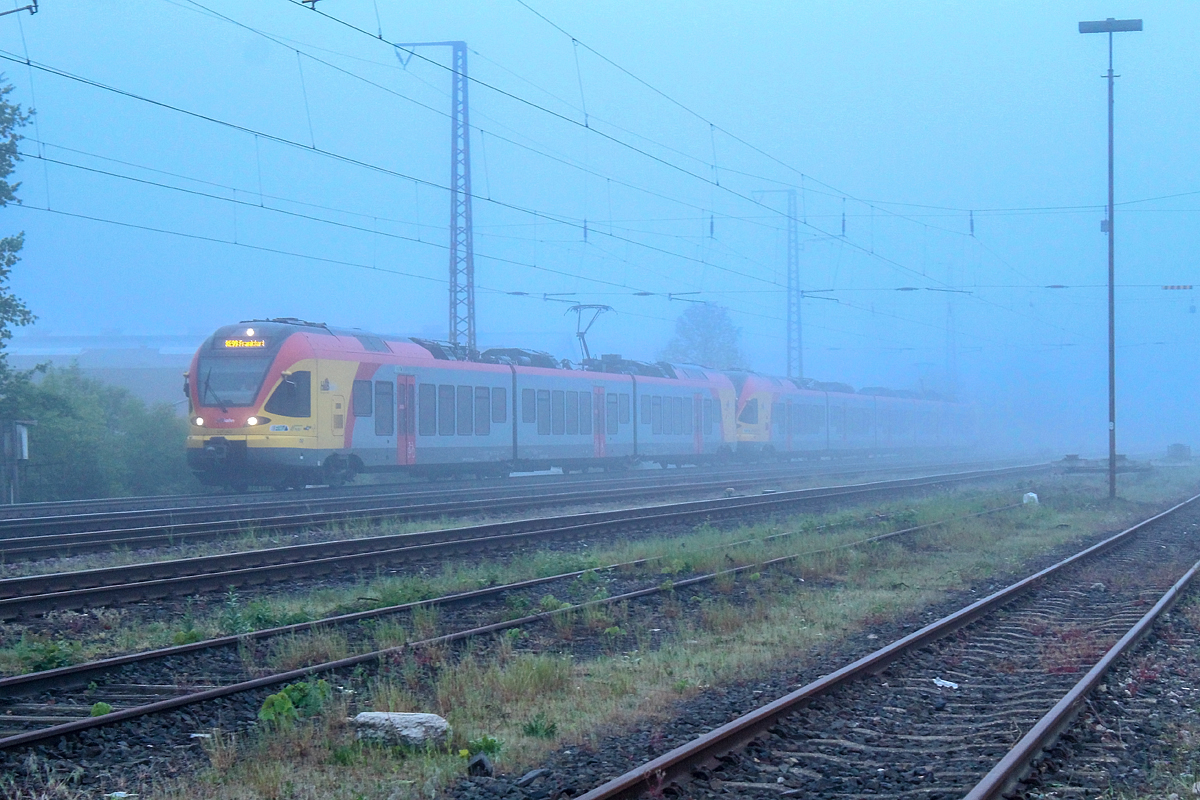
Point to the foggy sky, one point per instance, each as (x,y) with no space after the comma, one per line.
(906,116)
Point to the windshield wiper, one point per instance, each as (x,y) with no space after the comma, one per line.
(209,391)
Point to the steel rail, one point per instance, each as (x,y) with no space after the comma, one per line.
(405,495)
(66,590)
(1017,763)
(72,676)
(679,762)
(44,512)
(42,545)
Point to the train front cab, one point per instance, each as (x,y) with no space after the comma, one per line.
(251,395)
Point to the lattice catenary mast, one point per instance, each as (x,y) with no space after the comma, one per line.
(462,245)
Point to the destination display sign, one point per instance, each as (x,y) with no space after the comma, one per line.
(232,344)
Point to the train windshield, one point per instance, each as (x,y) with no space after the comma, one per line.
(226,382)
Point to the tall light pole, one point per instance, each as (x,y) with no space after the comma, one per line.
(1111,26)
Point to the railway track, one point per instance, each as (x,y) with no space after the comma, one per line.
(935,713)
(152,580)
(124,507)
(45,537)
(44,705)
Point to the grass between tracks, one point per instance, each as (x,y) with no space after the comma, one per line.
(524,703)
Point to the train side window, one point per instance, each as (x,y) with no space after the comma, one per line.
(445,410)
(688,416)
(385,420)
(557,412)
(614,413)
(466,410)
(837,419)
(528,406)
(483,411)
(779,417)
(667,428)
(814,419)
(427,409)
(623,408)
(656,415)
(293,396)
(361,398)
(571,426)
(708,416)
(585,413)
(499,405)
(676,415)
(543,412)
(749,415)
(646,409)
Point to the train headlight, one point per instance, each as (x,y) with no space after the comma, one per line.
(199,422)
(252,421)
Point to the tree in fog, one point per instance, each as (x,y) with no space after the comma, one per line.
(13,311)
(705,335)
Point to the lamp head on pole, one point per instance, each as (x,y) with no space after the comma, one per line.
(1111,25)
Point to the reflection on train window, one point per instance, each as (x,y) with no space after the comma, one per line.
(708,417)
(837,420)
(445,410)
(656,415)
(483,411)
(623,408)
(646,409)
(571,423)
(427,410)
(807,420)
(528,406)
(613,414)
(543,412)
(385,420)
(779,418)
(585,413)
(466,416)
(749,415)
(858,421)
(361,398)
(499,405)
(557,412)
(292,397)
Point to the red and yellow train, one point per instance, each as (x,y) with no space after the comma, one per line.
(285,402)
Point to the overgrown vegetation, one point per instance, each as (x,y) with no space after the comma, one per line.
(97,440)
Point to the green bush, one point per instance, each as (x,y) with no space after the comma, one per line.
(96,440)
(100,709)
(295,699)
(35,653)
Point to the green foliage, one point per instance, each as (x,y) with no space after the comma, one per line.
(551,603)
(100,709)
(278,709)
(539,728)
(296,699)
(705,335)
(96,440)
(485,744)
(13,311)
(614,631)
(35,653)
(187,636)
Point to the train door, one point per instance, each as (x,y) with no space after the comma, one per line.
(406,420)
(698,423)
(598,431)
(787,424)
